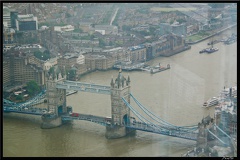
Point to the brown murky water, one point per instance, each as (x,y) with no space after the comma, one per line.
(176,95)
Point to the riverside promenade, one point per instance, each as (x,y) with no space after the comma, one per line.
(216,33)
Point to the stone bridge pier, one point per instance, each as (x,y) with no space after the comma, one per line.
(120,112)
(56,102)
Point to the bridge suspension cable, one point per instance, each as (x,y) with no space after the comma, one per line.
(144,109)
(222,131)
(139,115)
(192,127)
(133,110)
(215,136)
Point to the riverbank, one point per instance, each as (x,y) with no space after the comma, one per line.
(218,32)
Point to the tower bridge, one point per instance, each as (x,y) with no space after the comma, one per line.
(123,116)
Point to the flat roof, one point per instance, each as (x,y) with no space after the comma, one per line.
(136,47)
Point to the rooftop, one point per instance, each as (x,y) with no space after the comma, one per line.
(133,48)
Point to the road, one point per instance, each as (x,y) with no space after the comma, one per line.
(114,16)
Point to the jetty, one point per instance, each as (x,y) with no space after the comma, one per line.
(155,69)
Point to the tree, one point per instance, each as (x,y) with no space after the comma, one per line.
(78,30)
(32,87)
(43,56)
(19,97)
(126,28)
(101,42)
(110,43)
(71,74)
(68,15)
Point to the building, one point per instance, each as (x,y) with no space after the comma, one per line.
(106,29)
(192,29)
(118,54)
(165,28)
(176,28)
(167,45)
(179,29)
(50,63)
(67,61)
(85,26)
(80,68)
(20,68)
(98,62)
(6,17)
(81,59)
(66,28)
(137,53)
(6,71)
(26,22)
(13,16)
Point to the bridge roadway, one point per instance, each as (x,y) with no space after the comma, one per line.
(78,116)
(35,100)
(136,125)
(84,87)
(104,121)
(161,130)
(26,110)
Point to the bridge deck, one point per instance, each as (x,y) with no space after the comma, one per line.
(84,87)
(137,126)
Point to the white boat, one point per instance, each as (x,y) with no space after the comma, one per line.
(211,102)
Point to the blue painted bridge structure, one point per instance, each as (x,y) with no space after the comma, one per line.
(149,122)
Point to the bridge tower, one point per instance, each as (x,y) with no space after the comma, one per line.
(120,112)
(56,102)
(203,135)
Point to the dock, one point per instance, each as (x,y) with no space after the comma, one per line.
(129,67)
(156,69)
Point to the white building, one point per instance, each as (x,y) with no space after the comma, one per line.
(6,17)
(49,63)
(106,29)
(64,28)
(81,59)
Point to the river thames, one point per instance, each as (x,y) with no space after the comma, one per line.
(176,95)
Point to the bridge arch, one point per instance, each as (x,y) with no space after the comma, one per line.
(126,119)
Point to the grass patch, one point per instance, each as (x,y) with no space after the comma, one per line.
(194,38)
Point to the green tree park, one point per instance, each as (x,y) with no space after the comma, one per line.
(32,88)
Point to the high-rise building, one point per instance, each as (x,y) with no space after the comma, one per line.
(6,17)
(165,28)
(21,68)
(13,17)
(26,22)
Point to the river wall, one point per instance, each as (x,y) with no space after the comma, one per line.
(212,35)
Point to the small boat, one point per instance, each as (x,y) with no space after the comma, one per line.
(211,50)
(213,42)
(211,102)
(202,51)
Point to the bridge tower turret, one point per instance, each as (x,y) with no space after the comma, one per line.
(120,112)
(203,134)
(56,101)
